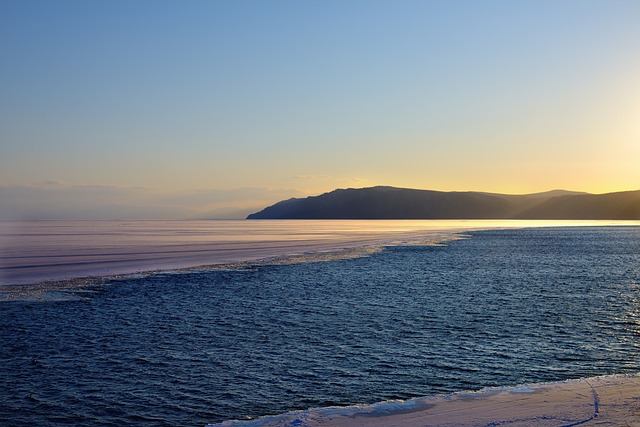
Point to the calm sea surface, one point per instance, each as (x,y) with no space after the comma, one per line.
(499,307)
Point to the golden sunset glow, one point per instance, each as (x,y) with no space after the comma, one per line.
(227,113)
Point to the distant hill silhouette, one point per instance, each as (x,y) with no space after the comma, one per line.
(622,205)
(403,203)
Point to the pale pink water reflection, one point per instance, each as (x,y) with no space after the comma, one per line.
(42,251)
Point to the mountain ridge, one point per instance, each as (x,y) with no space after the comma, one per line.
(384,202)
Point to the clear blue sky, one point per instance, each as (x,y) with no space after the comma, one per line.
(199,107)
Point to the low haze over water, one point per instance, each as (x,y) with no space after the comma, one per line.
(496,307)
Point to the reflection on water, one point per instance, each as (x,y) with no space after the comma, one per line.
(500,308)
(44,251)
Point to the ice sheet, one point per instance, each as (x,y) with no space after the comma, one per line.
(606,400)
(33,252)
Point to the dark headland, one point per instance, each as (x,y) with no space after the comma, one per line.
(404,203)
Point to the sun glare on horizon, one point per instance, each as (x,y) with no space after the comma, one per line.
(243,104)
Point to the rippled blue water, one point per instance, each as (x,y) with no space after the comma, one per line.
(498,308)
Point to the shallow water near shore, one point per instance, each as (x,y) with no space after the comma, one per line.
(496,308)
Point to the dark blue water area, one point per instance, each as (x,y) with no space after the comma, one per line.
(499,308)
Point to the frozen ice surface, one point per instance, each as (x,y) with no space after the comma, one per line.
(33,252)
(612,400)
(38,251)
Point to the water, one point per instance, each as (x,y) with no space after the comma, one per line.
(45,251)
(498,308)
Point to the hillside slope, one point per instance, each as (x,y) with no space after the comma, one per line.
(402,203)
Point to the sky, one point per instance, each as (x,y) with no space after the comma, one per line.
(215,109)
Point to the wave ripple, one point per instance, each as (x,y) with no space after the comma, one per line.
(503,307)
